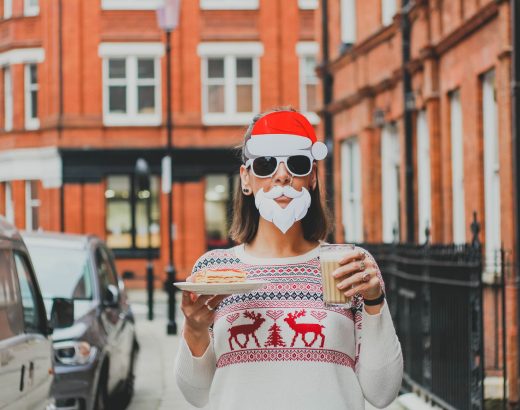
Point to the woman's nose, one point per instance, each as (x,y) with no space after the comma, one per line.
(282,175)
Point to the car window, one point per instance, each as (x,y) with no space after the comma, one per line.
(104,269)
(31,312)
(62,272)
(11,323)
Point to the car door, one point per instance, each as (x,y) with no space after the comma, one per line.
(12,338)
(110,315)
(36,375)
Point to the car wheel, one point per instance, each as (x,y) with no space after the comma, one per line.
(121,400)
(101,400)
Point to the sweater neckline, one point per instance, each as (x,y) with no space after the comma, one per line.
(257,260)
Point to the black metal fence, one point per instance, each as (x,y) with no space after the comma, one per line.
(435,295)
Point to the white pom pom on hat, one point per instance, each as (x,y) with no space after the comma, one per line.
(282,133)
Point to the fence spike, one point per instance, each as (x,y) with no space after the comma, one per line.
(475,229)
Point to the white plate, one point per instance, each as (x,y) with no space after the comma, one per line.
(221,288)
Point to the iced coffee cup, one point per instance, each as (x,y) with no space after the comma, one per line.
(330,256)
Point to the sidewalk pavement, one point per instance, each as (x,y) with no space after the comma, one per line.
(155,387)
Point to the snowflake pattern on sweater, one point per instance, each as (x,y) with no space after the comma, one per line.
(284,321)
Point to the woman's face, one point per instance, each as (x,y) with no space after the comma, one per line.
(281,177)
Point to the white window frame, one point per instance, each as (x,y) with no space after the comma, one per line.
(130,4)
(229,4)
(8,98)
(31,123)
(388,11)
(230,52)
(131,52)
(348,21)
(8,9)
(9,206)
(424,194)
(29,205)
(306,49)
(491,172)
(390,180)
(308,4)
(29,9)
(457,168)
(351,195)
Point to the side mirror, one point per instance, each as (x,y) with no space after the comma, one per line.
(62,313)
(111,296)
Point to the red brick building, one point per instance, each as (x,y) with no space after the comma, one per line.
(83,96)
(460,67)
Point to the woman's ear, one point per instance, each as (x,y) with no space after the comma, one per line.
(244,177)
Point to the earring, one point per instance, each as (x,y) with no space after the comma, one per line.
(246,191)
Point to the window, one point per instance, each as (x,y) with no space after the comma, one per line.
(11,319)
(8,9)
(229,4)
(31,8)
(307,52)
(216,207)
(32,206)
(491,171)
(9,206)
(423,175)
(348,21)
(457,168)
(8,99)
(308,4)
(105,269)
(131,84)
(388,10)
(126,213)
(31,97)
(31,311)
(130,4)
(352,211)
(230,82)
(390,171)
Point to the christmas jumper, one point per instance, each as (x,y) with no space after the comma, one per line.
(280,347)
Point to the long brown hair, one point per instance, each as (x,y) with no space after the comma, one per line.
(244,226)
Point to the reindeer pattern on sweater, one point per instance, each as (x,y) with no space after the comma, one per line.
(284,321)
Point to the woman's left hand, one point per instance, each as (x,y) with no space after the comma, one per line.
(358,273)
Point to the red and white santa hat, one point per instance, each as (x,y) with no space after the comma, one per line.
(284,133)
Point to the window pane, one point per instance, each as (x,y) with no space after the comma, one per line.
(34,104)
(311,97)
(146,99)
(31,315)
(244,98)
(119,212)
(145,68)
(117,99)
(310,66)
(11,321)
(244,68)
(216,210)
(216,98)
(117,68)
(141,217)
(33,70)
(215,68)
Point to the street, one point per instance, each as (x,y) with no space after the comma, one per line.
(155,387)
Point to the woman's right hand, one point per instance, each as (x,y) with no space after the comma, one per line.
(200,314)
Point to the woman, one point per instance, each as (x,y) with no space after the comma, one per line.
(280,347)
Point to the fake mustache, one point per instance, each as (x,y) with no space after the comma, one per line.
(287,190)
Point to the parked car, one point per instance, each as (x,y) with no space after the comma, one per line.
(95,357)
(26,354)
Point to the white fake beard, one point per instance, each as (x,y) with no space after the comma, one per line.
(283,218)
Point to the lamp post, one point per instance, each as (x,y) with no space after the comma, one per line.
(168,20)
(142,173)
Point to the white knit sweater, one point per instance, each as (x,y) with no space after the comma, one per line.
(258,358)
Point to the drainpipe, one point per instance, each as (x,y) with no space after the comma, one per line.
(59,126)
(327,116)
(408,122)
(515,94)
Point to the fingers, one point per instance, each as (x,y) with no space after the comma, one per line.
(359,278)
(352,256)
(354,266)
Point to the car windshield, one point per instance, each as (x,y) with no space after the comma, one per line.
(62,272)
